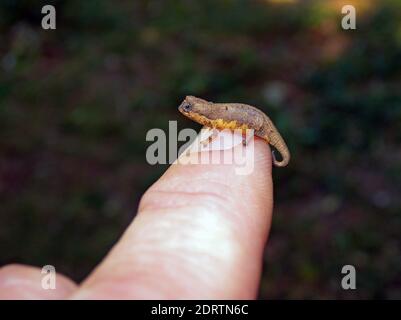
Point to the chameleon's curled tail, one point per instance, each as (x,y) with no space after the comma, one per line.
(274,138)
(278,142)
(283,162)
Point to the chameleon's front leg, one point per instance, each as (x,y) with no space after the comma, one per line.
(203,142)
(209,139)
(215,133)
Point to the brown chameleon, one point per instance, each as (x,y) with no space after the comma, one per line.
(236,116)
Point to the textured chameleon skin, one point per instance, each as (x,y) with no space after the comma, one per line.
(236,116)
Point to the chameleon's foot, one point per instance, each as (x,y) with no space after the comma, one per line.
(205,142)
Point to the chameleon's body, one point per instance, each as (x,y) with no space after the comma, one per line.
(236,116)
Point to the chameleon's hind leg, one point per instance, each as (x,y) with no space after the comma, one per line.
(244,142)
(247,134)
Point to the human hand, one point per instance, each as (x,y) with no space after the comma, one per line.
(199,234)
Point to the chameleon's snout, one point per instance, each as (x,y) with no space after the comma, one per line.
(192,104)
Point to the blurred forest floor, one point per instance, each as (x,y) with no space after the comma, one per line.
(76,103)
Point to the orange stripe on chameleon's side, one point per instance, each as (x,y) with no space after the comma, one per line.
(232,125)
(218,123)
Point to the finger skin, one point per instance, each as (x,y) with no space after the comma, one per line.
(20,282)
(199,234)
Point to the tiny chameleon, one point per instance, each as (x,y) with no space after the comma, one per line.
(236,116)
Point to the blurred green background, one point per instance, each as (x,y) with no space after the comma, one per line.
(76,103)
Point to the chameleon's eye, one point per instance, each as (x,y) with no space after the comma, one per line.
(187,107)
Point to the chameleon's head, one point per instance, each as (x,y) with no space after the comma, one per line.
(194,108)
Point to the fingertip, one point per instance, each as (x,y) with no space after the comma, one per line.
(201,225)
